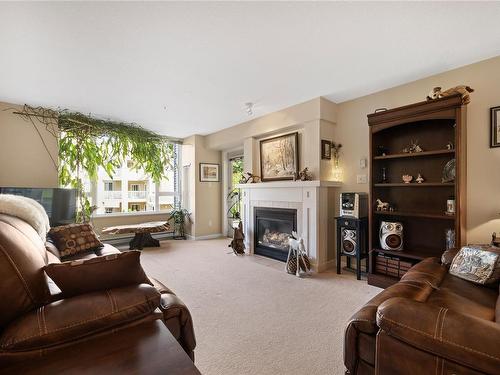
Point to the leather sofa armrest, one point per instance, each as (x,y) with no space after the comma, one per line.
(364,320)
(460,338)
(176,312)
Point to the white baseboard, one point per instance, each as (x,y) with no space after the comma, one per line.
(207,237)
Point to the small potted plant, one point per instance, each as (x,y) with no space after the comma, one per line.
(233,212)
(179,218)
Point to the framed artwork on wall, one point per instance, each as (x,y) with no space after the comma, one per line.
(326,149)
(495,127)
(279,157)
(209,172)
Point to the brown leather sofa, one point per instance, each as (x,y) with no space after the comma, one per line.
(430,322)
(36,318)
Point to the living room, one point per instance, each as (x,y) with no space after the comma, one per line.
(250,187)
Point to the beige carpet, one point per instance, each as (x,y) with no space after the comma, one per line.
(253,318)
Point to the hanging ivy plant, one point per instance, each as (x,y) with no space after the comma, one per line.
(87,143)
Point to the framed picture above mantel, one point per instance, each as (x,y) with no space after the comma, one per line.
(279,157)
(495,127)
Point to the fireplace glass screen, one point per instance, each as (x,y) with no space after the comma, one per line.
(274,227)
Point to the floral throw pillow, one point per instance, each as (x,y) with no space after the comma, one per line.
(72,239)
(477,263)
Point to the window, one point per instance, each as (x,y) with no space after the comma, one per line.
(132,190)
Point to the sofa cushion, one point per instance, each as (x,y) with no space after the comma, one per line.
(485,309)
(479,264)
(73,318)
(74,238)
(106,249)
(99,273)
(22,286)
(428,271)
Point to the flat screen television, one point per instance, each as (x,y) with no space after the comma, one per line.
(60,204)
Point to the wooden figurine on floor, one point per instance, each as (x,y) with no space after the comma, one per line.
(238,243)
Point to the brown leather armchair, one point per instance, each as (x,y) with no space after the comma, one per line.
(36,318)
(429,322)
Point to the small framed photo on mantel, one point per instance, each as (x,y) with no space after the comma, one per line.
(209,172)
(495,127)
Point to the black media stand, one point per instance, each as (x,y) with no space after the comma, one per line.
(352,241)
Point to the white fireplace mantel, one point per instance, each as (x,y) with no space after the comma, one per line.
(289,184)
(315,205)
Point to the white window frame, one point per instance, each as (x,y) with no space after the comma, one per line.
(176,194)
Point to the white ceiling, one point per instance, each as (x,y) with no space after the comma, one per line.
(203,61)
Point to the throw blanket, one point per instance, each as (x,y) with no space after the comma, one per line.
(28,210)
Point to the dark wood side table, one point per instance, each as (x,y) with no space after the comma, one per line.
(146,349)
(353,246)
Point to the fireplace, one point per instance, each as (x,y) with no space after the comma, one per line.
(273,228)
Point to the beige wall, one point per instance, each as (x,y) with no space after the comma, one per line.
(205,198)
(24,162)
(313,120)
(483,181)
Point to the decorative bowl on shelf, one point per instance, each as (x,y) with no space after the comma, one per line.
(407,178)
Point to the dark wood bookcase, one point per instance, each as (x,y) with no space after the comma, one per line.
(419,207)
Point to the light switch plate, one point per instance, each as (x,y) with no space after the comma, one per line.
(361,179)
(362,163)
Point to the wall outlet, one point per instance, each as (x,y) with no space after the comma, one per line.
(361,179)
(209,223)
(362,163)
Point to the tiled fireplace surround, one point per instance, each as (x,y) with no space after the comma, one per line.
(315,205)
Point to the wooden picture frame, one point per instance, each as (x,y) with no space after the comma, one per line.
(495,127)
(326,149)
(279,157)
(209,172)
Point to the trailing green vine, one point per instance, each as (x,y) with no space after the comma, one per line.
(87,143)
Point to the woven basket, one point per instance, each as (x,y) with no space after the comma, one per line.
(305,265)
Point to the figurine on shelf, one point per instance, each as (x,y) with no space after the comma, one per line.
(450,146)
(419,179)
(407,178)
(381,151)
(304,175)
(413,147)
(384,175)
(382,206)
(251,178)
(464,91)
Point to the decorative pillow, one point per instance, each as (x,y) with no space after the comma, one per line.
(477,263)
(99,273)
(74,238)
